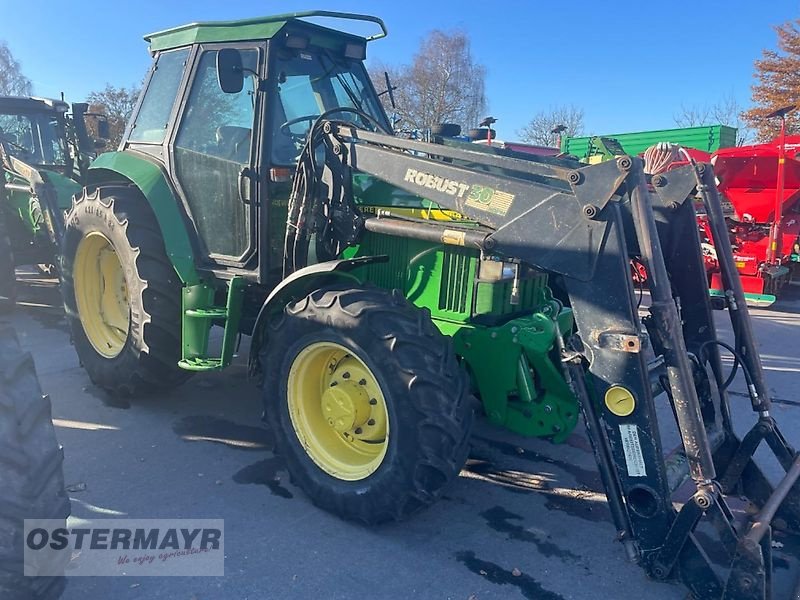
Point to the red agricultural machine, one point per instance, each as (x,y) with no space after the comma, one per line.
(761,184)
(760,189)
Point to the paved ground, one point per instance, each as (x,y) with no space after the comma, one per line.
(522,507)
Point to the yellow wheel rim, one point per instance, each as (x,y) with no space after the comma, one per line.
(101,294)
(338,411)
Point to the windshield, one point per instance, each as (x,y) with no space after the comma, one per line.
(33,138)
(311,83)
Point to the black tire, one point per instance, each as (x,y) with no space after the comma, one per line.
(426,392)
(31,474)
(446,129)
(148,359)
(8,278)
(480,134)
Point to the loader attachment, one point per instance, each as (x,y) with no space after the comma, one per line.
(703,513)
(713,471)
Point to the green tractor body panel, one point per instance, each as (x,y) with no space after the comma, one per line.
(509,349)
(152,183)
(22,201)
(65,187)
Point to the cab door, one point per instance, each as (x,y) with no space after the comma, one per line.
(214,158)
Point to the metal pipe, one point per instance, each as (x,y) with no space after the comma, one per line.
(524,380)
(574,375)
(738,312)
(535,165)
(16,187)
(762,520)
(429,233)
(655,369)
(676,464)
(665,314)
(775,248)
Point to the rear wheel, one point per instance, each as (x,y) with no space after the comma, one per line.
(367,402)
(8,281)
(121,293)
(31,475)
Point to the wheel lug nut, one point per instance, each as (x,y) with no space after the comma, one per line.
(334,383)
(362,382)
(371,422)
(373,401)
(346,375)
(359,430)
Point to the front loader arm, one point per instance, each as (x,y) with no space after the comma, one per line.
(516,200)
(586,223)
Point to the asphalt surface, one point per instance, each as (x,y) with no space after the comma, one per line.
(527,519)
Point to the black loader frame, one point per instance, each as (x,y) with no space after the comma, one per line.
(583,225)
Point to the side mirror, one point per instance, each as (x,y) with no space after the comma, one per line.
(229,71)
(103,131)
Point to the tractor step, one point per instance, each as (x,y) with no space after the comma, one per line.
(201,364)
(200,313)
(207,313)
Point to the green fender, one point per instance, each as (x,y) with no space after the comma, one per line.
(297,285)
(152,182)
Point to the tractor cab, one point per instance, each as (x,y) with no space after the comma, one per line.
(45,151)
(33,131)
(225,113)
(50,134)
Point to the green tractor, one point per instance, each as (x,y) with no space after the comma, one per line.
(45,151)
(386,282)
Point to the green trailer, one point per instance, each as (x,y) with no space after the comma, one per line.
(707,138)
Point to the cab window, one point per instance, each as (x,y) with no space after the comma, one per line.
(151,122)
(212,147)
(311,83)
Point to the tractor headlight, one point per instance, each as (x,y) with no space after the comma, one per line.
(494,270)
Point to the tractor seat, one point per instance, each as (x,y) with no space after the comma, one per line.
(233,143)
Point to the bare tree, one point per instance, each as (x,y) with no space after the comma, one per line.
(12,81)
(545,127)
(725,112)
(443,84)
(117,104)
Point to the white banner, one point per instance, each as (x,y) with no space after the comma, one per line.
(125,547)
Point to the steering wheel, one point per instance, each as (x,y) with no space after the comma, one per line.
(297,138)
(5,140)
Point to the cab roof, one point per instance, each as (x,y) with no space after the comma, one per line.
(259,28)
(31,104)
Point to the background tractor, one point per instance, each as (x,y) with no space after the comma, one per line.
(44,153)
(385,281)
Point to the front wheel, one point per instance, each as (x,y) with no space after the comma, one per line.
(121,294)
(367,402)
